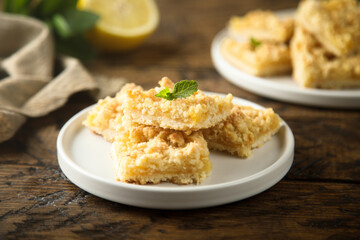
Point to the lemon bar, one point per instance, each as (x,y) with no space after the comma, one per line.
(262,25)
(146,154)
(267,59)
(334,23)
(315,67)
(264,124)
(101,117)
(187,114)
(245,129)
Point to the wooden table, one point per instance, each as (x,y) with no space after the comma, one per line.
(318,199)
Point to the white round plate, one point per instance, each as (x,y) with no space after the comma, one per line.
(85,159)
(281,88)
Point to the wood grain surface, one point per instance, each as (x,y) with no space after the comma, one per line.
(318,199)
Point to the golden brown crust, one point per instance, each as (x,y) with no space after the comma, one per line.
(192,113)
(262,25)
(267,59)
(264,124)
(147,154)
(101,118)
(335,23)
(315,67)
(245,129)
(232,135)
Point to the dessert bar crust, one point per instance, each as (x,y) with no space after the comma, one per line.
(334,23)
(315,67)
(195,112)
(262,25)
(267,59)
(245,129)
(146,154)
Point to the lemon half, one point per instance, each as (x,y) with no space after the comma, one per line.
(123,24)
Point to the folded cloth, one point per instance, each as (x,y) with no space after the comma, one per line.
(27,85)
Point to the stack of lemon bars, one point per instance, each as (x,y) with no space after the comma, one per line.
(156,140)
(320,45)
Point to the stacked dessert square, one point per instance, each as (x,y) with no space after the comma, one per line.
(258,43)
(326,46)
(156,140)
(321,45)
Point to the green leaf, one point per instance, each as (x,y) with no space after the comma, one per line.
(255,43)
(76,46)
(47,8)
(17,6)
(66,23)
(182,89)
(165,93)
(185,88)
(80,21)
(61,26)
(73,22)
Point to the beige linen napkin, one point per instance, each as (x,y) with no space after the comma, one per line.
(27,85)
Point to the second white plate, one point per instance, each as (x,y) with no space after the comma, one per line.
(85,159)
(281,88)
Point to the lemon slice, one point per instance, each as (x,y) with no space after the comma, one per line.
(123,24)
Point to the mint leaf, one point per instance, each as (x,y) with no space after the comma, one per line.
(165,93)
(255,43)
(185,88)
(182,89)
